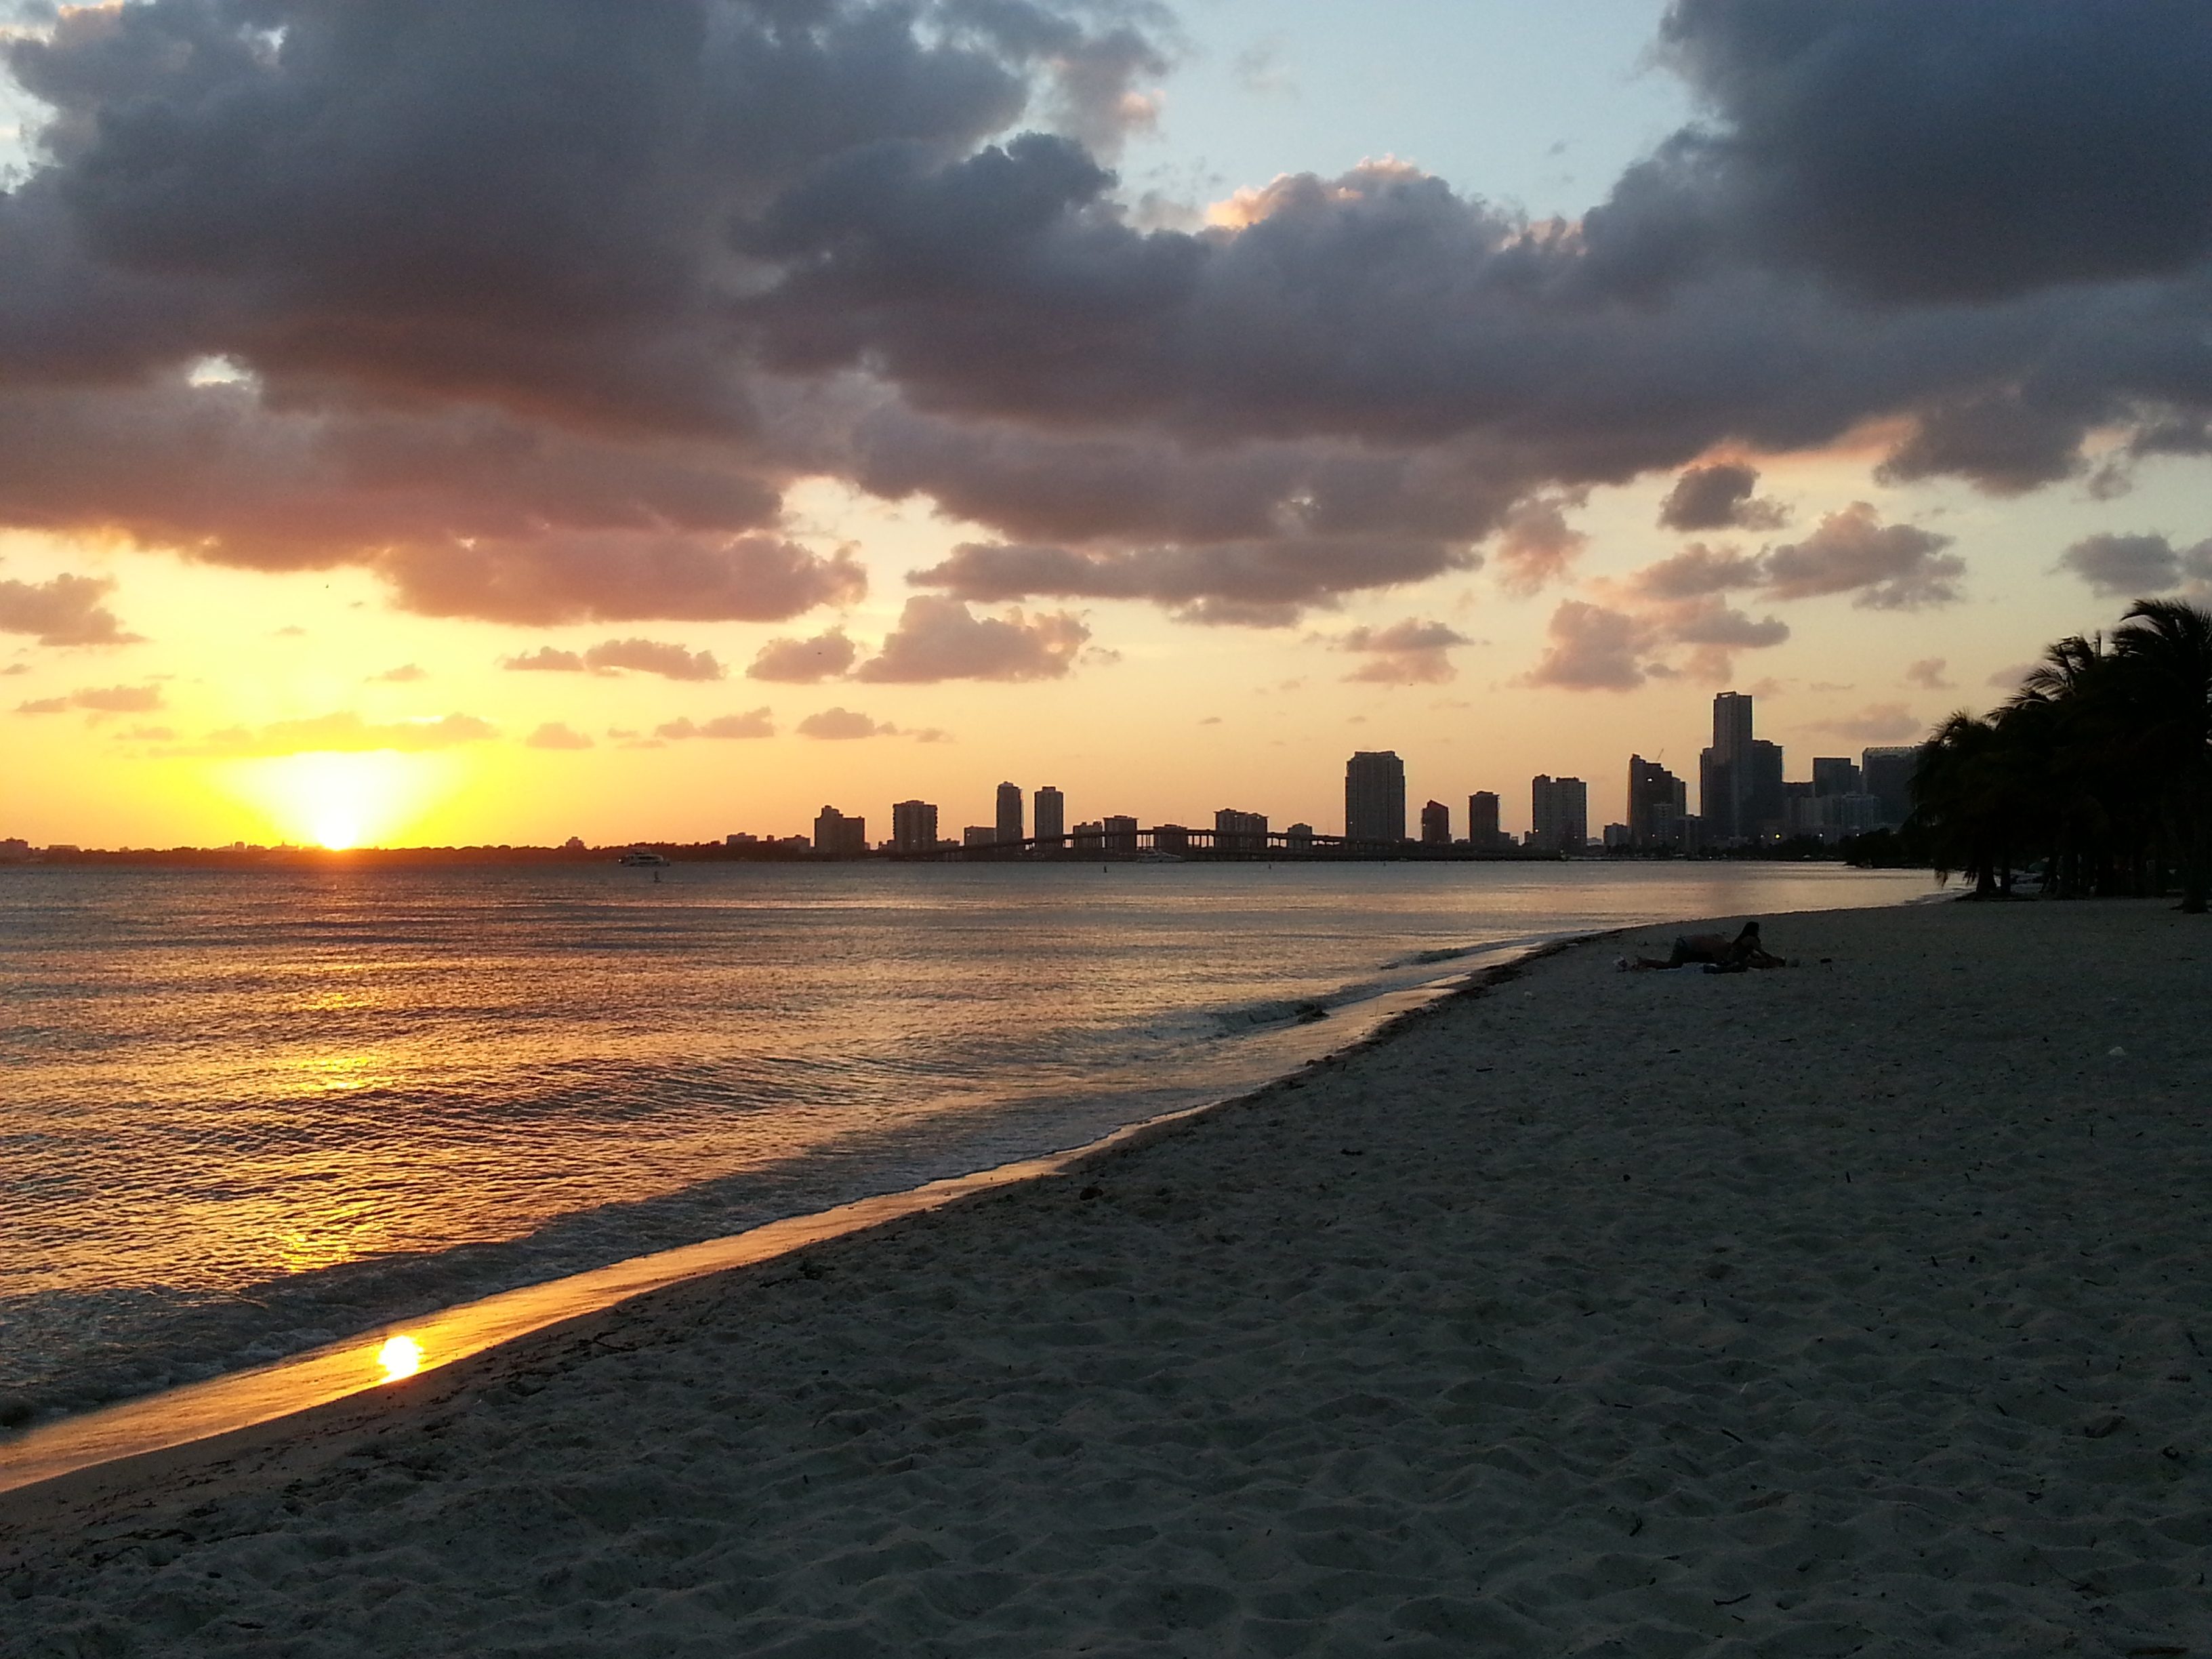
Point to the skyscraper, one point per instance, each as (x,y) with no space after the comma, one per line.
(1375,796)
(1832,775)
(1739,778)
(914,826)
(1888,775)
(1240,832)
(1482,831)
(1051,820)
(1658,801)
(1010,811)
(1436,824)
(838,836)
(1558,813)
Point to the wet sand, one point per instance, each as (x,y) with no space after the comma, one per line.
(1860,1306)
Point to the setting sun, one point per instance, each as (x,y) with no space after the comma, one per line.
(340,800)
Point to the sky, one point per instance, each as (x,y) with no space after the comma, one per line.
(433,424)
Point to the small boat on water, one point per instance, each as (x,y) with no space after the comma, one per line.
(639,856)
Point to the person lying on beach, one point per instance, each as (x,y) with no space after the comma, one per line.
(1716,952)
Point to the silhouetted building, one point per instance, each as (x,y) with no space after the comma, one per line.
(1121,835)
(1010,811)
(1375,796)
(1658,801)
(1616,838)
(1050,823)
(1558,813)
(1739,778)
(1436,824)
(1300,836)
(1172,838)
(1089,837)
(980,834)
(1240,832)
(1887,775)
(914,827)
(1832,775)
(836,837)
(1482,831)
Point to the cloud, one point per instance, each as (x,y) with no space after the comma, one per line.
(346,732)
(1928,674)
(555,735)
(844,724)
(100,700)
(404,674)
(939,639)
(670,662)
(752,724)
(2012,678)
(552,349)
(66,611)
(2134,567)
(148,734)
(1592,647)
(1878,722)
(1696,571)
(545,660)
(1889,566)
(1536,547)
(803,662)
(1408,653)
(1718,497)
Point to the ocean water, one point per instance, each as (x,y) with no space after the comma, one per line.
(243,1114)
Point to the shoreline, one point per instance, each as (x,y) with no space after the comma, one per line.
(1804,1309)
(177,1419)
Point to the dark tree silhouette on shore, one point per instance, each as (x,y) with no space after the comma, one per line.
(2101,765)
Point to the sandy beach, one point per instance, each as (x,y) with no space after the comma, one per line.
(1863,1306)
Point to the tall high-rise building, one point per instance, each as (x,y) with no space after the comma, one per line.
(914,827)
(1832,775)
(1558,813)
(1120,834)
(1240,832)
(1739,778)
(1050,822)
(1482,831)
(1889,777)
(1658,801)
(1010,811)
(1375,796)
(1436,824)
(838,836)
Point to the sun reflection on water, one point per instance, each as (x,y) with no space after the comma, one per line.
(400,1356)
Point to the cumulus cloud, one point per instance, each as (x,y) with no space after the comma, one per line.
(346,732)
(1593,648)
(553,734)
(2135,566)
(552,349)
(1928,674)
(842,724)
(405,674)
(670,662)
(1696,571)
(1408,653)
(66,611)
(803,662)
(1897,567)
(939,639)
(753,724)
(100,700)
(1536,547)
(1718,497)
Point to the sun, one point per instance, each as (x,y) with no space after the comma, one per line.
(339,801)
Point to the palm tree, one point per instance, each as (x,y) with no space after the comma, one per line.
(1959,799)
(2164,652)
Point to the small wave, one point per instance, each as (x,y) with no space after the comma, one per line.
(1286,1010)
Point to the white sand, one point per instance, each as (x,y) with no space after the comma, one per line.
(1859,1307)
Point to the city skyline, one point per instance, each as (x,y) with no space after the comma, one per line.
(1475,462)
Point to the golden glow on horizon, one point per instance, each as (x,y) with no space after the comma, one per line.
(341,800)
(400,1356)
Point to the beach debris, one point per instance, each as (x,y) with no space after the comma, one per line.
(2116,1052)
(2109,1423)
(1090,1191)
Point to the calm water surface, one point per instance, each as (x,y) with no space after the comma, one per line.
(245,1113)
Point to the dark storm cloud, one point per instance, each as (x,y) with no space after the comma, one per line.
(541,309)
(1718,497)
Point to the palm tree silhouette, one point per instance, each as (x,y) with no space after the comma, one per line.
(2163,651)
